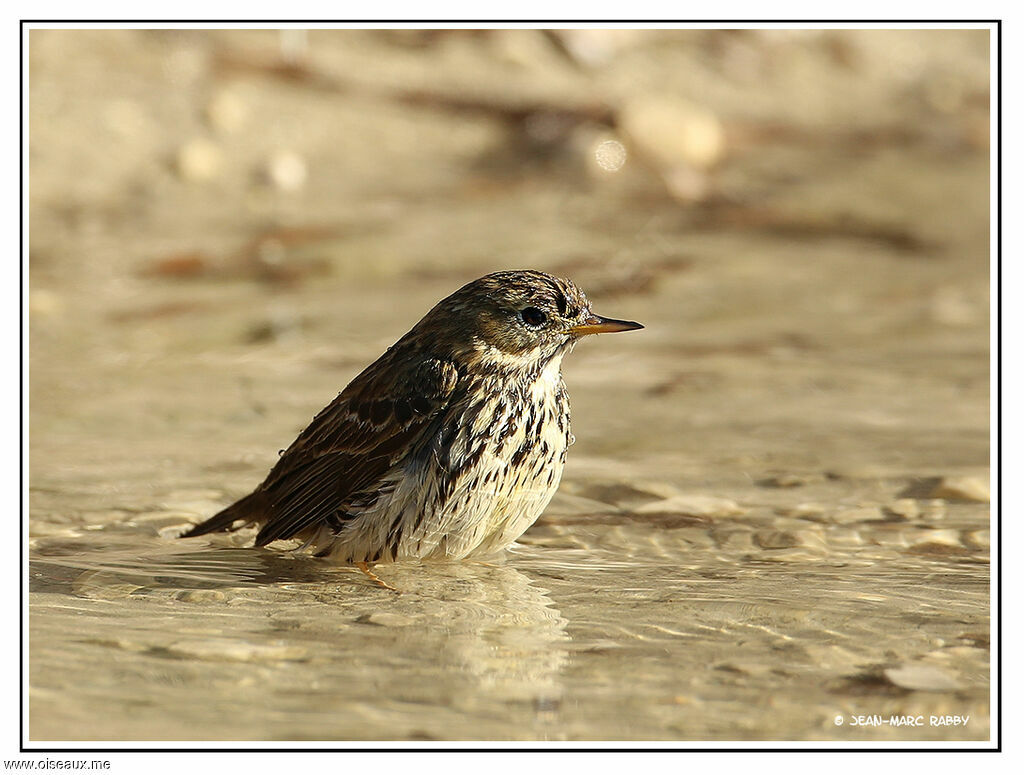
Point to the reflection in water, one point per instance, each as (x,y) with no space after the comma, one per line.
(173,642)
(260,644)
(148,574)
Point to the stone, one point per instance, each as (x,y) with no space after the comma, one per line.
(693,505)
(43,302)
(238,651)
(199,160)
(672,132)
(977,539)
(947,537)
(736,540)
(859,471)
(858,514)
(785,480)
(776,539)
(903,508)
(172,532)
(200,596)
(803,511)
(921,678)
(386,619)
(962,488)
(287,170)
(226,112)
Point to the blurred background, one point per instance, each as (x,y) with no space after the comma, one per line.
(227,225)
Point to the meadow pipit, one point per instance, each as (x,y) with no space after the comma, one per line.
(450,444)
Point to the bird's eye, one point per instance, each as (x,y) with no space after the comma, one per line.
(533,317)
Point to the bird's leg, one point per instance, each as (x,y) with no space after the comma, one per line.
(365,568)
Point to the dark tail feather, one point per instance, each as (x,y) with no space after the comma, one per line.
(246,511)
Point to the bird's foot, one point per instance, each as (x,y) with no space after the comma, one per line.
(365,568)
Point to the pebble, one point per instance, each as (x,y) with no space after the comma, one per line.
(933,510)
(386,619)
(890,535)
(803,511)
(682,140)
(226,112)
(43,302)
(979,640)
(659,489)
(785,480)
(777,539)
(858,514)
(673,132)
(128,645)
(595,47)
(624,494)
(687,184)
(737,540)
(938,542)
(844,536)
(921,678)
(200,596)
(287,170)
(862,471)
(522,50)
(694,506)
(746,668)
(938,549)
(696,537)
(948,537)
(962,488)
(236,651)
(199,160)
(172,532)
(103,585)
(977,539)
(967,653)
(903,508)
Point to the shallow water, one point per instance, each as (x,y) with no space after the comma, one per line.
(667,640)
(751,538)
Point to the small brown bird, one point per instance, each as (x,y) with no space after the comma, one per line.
(450,444)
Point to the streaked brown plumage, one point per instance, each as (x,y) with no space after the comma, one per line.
(449,445)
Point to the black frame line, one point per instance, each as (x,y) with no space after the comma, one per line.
(497,748)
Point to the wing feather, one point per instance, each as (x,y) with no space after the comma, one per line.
(351,445)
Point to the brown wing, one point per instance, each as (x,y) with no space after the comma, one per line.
(340,458)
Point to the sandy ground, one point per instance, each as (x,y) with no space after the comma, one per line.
(776,515)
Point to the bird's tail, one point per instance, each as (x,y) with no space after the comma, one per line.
(245,511)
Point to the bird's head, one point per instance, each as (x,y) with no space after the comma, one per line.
(516,319)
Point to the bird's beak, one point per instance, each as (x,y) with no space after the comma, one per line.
(595,324)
